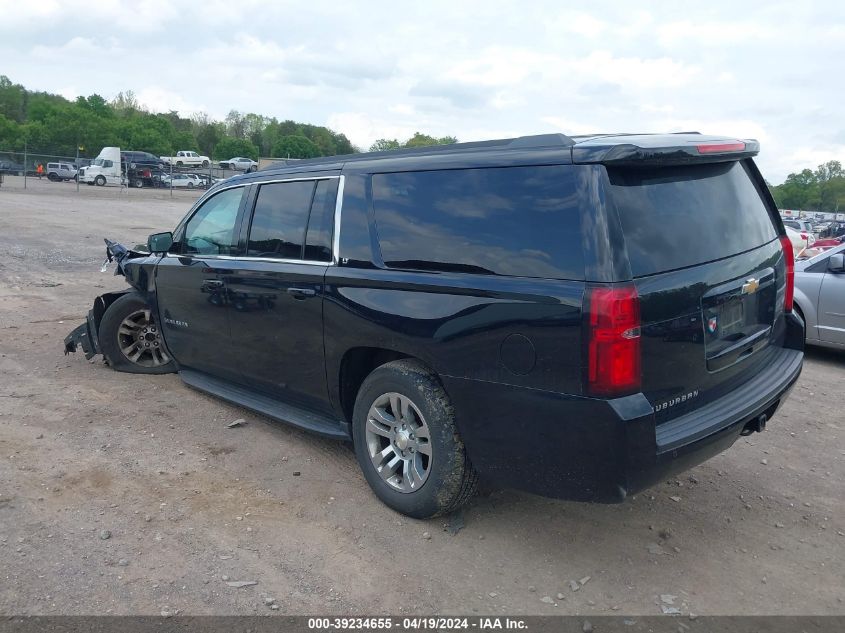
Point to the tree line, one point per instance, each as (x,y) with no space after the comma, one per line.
(808,190)
(51,124)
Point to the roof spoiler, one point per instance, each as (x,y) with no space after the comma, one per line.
(670,150)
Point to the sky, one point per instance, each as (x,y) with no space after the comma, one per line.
(771,70)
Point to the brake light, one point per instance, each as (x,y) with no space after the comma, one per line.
(613,366)
(717,148)
(789,261)
(804,237)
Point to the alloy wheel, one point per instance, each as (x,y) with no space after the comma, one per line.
(140,340)
(398,442)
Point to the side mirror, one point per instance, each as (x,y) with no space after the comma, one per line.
(160,242)
(836,263)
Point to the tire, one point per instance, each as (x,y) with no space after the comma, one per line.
(420,485)
(128,323)
(800,313)
(100,181)
(178,163)
(138,183)
(190,185)
(205,163)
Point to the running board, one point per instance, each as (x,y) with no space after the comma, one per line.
(272,408)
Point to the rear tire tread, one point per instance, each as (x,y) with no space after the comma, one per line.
(458,486)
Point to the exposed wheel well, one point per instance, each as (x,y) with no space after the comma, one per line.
(356,365)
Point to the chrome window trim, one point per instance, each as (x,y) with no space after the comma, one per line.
(243,258)
(338,209)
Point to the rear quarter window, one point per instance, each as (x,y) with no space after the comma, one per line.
(675,217)
(517,221)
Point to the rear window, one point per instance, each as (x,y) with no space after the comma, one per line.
(518,221)
(674,217)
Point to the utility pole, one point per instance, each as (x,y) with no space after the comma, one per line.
(24,164)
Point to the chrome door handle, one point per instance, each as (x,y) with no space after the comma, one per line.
(301,293)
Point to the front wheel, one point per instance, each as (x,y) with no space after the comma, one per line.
(407,443)
(130,338)
(100,181)
(205,163)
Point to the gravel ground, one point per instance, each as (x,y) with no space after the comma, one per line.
(124,494)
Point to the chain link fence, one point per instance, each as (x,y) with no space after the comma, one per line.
(117,167)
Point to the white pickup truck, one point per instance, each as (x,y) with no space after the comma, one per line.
(187,158)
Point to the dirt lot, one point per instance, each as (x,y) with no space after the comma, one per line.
(187,504)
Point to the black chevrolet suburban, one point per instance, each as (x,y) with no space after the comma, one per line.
(577,317)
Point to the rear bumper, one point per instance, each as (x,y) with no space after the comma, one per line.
(583,449)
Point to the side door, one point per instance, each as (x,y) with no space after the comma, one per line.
(831,310)
(277,289)
(191,285)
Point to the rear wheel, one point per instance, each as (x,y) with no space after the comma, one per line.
(407,443)
(130,338)
(800,313)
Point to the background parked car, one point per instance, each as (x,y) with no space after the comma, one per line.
(801,241)
(820,297)
(61,171)
(829,242)
(179,180)
(141,159)
(239,163)
(11,168)
(833,229)
(799,225)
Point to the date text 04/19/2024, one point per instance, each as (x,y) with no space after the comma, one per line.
(416,623)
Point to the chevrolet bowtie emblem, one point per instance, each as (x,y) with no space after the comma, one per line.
(750,286)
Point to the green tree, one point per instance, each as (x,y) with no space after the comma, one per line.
(208,135)
(424,140)
(185,140)
(417,140)
(384,144)
(295,146)
(13,100)
(230,147)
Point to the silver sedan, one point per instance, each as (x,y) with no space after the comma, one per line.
(820,297)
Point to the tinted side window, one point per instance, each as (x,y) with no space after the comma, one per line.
(279,219)
(318,240)
(675,217)
(520,221)
(211,230)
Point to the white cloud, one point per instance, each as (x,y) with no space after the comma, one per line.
(764,69)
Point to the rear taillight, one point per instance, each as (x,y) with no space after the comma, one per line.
(789,261)
(718,148)
(613,364)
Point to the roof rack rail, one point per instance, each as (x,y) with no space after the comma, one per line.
(542,140)
(523,142)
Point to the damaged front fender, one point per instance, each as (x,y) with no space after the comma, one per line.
(86,335)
